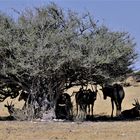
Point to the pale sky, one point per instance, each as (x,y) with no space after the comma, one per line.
(118,15)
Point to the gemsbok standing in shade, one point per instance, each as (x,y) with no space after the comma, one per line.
(63,109)
(116,93)
(85,101)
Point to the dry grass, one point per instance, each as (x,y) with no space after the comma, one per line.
(122,130)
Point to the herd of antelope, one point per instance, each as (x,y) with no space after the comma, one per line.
(85,99)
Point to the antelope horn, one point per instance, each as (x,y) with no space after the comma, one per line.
(134,104)
(137,102)
(11,103)
(92,87)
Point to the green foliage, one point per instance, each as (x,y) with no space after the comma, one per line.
(137,73)
(46,38)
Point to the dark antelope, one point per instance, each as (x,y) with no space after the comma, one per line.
(133,112)
(85,100)
(116,93)
(63,109)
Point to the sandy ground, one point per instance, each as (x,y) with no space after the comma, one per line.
(100,130)
(70,130)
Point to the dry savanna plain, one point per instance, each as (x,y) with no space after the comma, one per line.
(76,130)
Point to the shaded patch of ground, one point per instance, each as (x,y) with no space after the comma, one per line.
(96,118)
(106,118)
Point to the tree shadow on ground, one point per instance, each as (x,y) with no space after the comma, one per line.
(105,118)
(7,118)
(95,118)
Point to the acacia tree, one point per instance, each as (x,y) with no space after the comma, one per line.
(49,50)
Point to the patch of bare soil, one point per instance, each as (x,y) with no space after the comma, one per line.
(98,129)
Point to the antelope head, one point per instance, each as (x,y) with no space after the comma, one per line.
(9,106)
(137,104)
